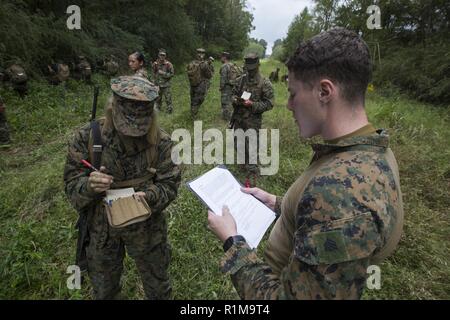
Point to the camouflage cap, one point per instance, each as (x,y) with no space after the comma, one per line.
(134,88)
(132,112)
(251,61)
(162,52)
(226,55)
(201,50)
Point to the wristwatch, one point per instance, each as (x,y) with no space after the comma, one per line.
(232,240)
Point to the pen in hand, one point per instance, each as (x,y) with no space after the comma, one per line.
(98,181)
(88,165)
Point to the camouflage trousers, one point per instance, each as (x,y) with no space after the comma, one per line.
(245,124)
(198,95)
(226,100)
(4,130)
(145,242)
(166,93)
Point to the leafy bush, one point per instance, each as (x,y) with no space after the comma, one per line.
(422,71)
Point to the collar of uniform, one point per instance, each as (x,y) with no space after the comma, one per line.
(378,139)
(366,130)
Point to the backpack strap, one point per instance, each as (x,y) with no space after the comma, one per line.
(133,182)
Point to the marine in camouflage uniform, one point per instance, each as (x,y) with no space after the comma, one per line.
(18,78)
(137,154)
(162,74)
(226,86)
(84,69)
(199,90)
(58,73)
(248,114)
(4,130)
(210,62)
(343,214)
(111,66)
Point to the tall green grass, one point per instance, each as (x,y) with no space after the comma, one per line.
(37,235)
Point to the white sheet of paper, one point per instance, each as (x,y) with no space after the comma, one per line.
(246,95)
(113,195)
(218,187)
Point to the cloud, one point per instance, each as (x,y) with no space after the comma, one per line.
(272,18)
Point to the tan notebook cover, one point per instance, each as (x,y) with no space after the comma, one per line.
(125,211)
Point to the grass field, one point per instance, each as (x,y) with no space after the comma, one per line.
(38,238)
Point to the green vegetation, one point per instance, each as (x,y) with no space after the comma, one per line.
(410,51)
(35,32)
(37,235)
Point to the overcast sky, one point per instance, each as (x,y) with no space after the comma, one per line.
(273,17)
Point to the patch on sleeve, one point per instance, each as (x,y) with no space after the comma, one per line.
(338,240)
(330,245)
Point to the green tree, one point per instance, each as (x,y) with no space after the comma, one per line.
(301,28)
(324,13)
(255,47)
(221,24)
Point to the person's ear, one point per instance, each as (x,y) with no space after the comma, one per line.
(327,90)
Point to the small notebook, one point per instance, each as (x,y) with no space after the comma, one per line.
(246,95)
(124,207)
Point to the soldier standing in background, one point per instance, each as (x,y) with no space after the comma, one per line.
(84,69)
(247,114)
(5,139)
(211,68)
(274,75)
(345,212)
(200,72)
(58,73)
(135,153)
(111,66)
(162,74)
(18,78)
(136,62)
(228,74)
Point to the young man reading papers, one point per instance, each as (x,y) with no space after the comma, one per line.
(345,211)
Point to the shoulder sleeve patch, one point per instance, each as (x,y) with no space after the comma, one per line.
(338,241)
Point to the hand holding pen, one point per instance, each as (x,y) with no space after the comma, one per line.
(98,181)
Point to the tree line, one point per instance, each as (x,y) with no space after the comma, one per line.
(35,32)
(410,51)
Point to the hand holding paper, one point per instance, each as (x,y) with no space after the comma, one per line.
(218,188)
(246,99)
(248,103)
(267,198)
(223,226)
